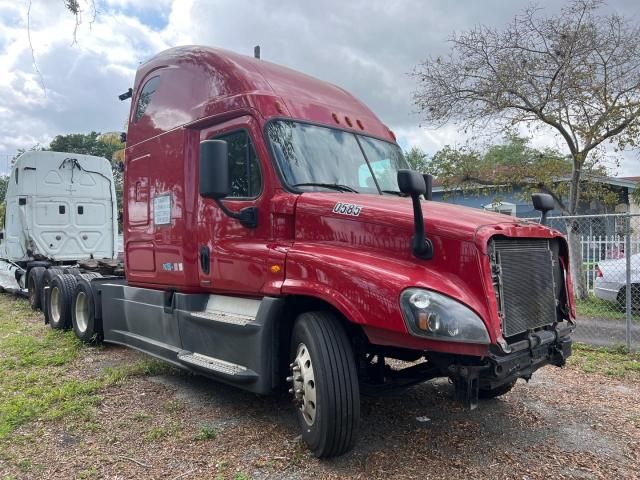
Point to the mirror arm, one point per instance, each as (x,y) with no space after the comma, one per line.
(248,216)
(543,218)
(421,245)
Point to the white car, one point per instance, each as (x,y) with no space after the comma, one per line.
(611,281)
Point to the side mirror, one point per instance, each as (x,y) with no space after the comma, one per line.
(414,185)
(411,183)
(214,169)
(543,202)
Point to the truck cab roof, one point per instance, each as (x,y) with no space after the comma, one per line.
(214,82)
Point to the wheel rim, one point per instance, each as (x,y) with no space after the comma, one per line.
(55,305)
(82,312)
(304,384)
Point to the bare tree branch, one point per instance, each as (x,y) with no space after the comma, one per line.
(33,53)
(577,72)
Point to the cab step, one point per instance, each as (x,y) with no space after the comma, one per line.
(217,366)
(224,317)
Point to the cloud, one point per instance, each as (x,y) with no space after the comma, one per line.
(367,47)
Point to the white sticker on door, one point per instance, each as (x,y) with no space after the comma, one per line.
(162,209)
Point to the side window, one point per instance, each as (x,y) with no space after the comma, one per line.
(145,97)
(244,169)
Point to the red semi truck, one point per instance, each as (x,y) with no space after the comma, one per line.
(275,238)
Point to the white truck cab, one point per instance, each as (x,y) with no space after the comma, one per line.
(60,207)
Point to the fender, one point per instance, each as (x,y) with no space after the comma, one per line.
(366,287)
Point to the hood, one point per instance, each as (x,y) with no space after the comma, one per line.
(391,213)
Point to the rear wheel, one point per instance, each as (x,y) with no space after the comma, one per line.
(498,391)
(44,292)
(83,313)
(324,384)
(60,300)
(34,285)
(72,271)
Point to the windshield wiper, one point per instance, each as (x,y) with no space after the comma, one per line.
(333,186)
(395,192)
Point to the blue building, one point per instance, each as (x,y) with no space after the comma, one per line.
(515,202)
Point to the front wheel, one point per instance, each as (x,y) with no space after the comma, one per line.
(324,384)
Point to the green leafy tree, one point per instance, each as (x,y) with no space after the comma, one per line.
(85,143)
(514,163)
(417,159)
(576,74)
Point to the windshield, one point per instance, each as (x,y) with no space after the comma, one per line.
(310,156)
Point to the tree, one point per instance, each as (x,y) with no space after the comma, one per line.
(514,163)
(576,74)
(72,6)
(417,159)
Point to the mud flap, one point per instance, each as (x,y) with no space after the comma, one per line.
(466,380)
(467,388)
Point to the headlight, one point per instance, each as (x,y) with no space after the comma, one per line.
(433,315)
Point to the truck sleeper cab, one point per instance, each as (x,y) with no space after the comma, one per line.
(60,209)
(270,243)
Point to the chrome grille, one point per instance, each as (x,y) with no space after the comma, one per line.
(523,271)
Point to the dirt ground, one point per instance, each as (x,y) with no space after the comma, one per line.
(563,424)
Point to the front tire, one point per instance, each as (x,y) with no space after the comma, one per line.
(325,384)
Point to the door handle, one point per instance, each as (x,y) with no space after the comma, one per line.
(204,259)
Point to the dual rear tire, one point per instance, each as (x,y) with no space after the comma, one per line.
(71,304)
(61,293)
(86,326)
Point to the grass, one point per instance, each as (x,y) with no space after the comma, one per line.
(593,307)
(207,432)
(156,433)
(36,382)
(611,361)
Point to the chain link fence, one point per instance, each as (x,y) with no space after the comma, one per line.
(605,258)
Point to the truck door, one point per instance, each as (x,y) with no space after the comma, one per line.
(233,258)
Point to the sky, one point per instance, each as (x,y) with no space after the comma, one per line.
(368,47)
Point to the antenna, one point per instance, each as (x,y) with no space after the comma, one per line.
(256,52)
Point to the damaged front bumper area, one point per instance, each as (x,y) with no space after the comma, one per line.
(543,347)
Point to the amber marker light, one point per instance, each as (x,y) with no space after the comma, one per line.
(279,107)
(275,268)
(423,323)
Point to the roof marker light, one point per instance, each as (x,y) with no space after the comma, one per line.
(360,124)
(335,117)
(348,120)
